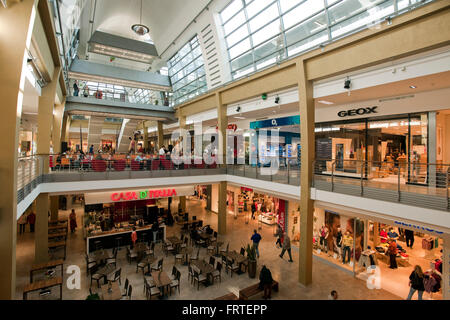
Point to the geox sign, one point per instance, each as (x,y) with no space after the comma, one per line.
(357,112)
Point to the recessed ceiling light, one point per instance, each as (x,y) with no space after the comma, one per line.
(413,87)
(239,117)
(325,102)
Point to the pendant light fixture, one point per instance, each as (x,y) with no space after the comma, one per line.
(139,28)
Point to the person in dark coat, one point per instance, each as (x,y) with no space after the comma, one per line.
(409,237)
(265,281)
(416,283)
(31,219)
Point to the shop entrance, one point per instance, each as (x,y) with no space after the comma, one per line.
(361,246)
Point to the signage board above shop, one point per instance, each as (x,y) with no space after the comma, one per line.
(357,112)
(137,194)
(278,122)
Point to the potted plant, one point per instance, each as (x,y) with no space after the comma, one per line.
(251,256)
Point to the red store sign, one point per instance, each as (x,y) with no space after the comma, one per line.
(142,195)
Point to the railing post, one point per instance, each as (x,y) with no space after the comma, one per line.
(288,174)
(332,175)
(31,172)
(446,187)
(398,182)
(362,177)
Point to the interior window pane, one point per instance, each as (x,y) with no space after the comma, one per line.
(256,6)
(231,9)
(243,72)
(287,4)
(266,32)
(308,43)
(306,28)
(362,18)
(302,12)
(237,35)
(243,61)
(240,48)
(234,23)
(264,17)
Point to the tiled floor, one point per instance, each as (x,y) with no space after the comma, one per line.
(325,277)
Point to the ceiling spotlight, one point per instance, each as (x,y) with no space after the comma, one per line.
(413,87)
(277,99)
(238,109)
(347,84)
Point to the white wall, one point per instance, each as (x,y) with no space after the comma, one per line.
(215,198)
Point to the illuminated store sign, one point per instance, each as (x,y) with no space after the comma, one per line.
(143,195)
(417,227)
(137,194)
(357,112)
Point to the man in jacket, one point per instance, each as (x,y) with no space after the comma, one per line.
(286,246)
(31,219)
(265,278)
(409,237)
(256,238)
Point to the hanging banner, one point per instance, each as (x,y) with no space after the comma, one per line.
(137,194)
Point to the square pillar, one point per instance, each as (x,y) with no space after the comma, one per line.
(17,22)
(306,105)
(446,268)
(54,208)
(222,210)
(160,135)
(57,127)
(41,230)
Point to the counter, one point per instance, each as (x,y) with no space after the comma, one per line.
(108,238)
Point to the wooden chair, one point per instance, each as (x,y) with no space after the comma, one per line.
(200,278)
(194,256)
(125,288)
(97,277)
(128,296)
(115,277)
(90,265)
(232,266)
(225,250)
(218,272)
(152,291)
(151,251)
(176,282)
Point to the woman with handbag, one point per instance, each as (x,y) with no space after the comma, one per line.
(416,283)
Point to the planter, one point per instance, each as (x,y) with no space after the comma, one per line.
(252,268)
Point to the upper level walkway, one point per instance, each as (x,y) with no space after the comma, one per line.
(410,185)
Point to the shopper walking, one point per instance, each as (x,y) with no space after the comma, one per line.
(31,219)
(265,281)
(278,234)
(73,221)
(409,237)
(133,237)
(256,238)
(253,210)
(155,228)
(416,283)
(347,243)
(333,295)
(22,223)
(392,252)
(286,247)
(76,90)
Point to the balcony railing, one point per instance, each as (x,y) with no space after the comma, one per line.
(417,184)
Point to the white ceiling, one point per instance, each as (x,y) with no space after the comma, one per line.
(165,18)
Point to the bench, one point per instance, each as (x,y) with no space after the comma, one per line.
(248,292)
(230,296)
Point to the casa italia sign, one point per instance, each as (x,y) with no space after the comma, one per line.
(137,194)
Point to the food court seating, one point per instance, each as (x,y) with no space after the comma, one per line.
(155,164)
(135,165)
(99,165)
(167,164)
(119,165)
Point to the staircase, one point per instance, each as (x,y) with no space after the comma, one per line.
(128,128)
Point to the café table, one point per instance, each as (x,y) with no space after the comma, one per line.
(149,260)
(113,294)
(218,244)
(205,268)
(99,256)
(175,243)
(106,270)
(238,258)
(162,281)
(186,251)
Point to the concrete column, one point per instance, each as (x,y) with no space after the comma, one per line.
(432,144)
(446,268)
(222,120)
(16,26)
(41,230)
(366,233)
(306,101)
(65,131)
(376,234)
(160,135)
(222,210)
(45,117)
(54,207)
(145,135)
(183,203)
(57,127)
